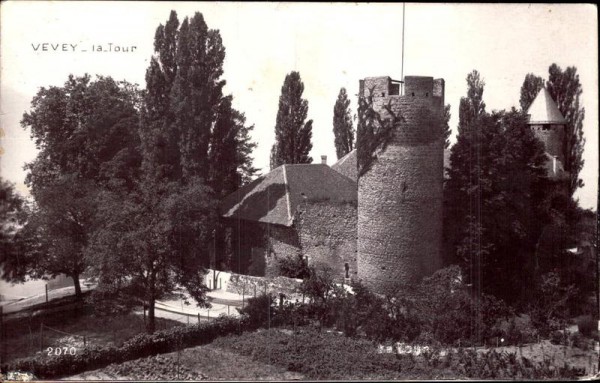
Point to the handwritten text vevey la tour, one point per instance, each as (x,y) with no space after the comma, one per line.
(68,47)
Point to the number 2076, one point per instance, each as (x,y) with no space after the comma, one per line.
(61,351)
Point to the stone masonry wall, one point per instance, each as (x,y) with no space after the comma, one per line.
(327,234)
(400,197)
(552,139)
(283,242)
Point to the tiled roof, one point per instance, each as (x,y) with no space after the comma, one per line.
(543,110)
(274,197)
(347,165)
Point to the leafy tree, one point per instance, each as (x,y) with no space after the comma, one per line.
(493,196)
(58,229)
(197,92)
(85,132)
(13,215)
(230,151)
(292,134)
(565,89)
(153,240)
(159,139)
(190,127)
(447,130)
(530,89)
(342,125)
(86,128)
(472,106)
(195,148)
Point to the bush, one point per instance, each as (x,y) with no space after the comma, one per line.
(517,330)
(293,267)
(587,326)
(141,345)
(259,311)
(558,337)
(549,308)
(579,341)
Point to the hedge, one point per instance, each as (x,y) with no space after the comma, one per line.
(139,346)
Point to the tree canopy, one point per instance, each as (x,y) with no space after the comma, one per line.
(292,134)
(493,195)
(343,130)
(86,134)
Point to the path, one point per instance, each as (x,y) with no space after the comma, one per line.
(24,303)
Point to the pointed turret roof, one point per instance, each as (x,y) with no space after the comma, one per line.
(543,110)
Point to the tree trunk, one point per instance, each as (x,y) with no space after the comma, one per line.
(77,285)
(151,326)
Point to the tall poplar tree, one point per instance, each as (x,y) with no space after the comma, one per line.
(342,125)
(292,134)
(159,135)
(565,89)
(530,89)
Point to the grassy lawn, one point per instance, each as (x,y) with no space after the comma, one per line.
(26,340)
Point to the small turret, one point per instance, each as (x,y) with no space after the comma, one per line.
(548,125)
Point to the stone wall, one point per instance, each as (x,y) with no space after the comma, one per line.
(552,136)
(327,233)
(283,242)
(400,197)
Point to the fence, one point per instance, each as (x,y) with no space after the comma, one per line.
(190,317)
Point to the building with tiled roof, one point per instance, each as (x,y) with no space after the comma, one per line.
(347,165)
(275,197)
(301,210)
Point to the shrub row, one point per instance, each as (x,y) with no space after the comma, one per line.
(439,310)
(139,346)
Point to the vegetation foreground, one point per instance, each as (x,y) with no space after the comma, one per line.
(307,353)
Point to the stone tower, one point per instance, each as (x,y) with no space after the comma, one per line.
(548,125)
(400,196)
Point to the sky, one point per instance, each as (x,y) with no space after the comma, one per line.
(331,45)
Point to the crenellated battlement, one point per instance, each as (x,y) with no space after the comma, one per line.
(414,86)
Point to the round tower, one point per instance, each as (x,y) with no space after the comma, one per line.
(548,125)
(400,195)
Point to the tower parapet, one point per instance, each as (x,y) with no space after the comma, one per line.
(400,196)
